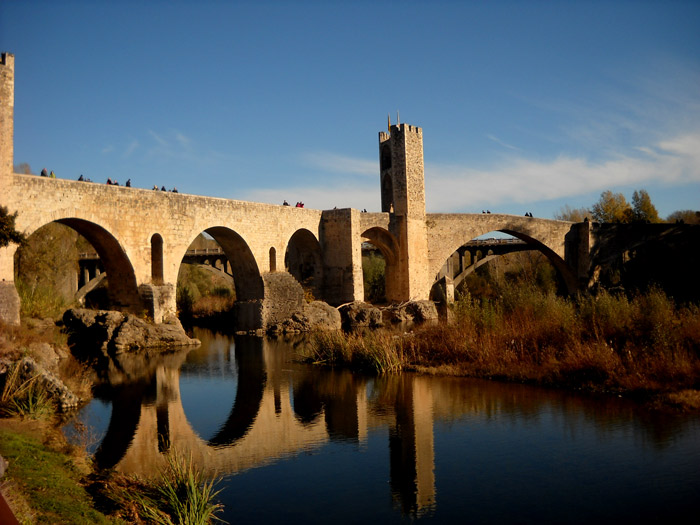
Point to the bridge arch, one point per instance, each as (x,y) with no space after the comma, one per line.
(303,259)
(122,287)
(244,268)
(388,245)
(156,258)
(563,270)
(273,259)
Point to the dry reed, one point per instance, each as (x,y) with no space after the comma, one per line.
(604,342)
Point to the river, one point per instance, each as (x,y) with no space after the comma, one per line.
(294,443)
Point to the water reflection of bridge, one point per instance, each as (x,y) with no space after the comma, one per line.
(275,415)
(274,409)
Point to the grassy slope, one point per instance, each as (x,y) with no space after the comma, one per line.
(44,483)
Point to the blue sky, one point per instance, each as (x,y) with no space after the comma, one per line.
(525,106)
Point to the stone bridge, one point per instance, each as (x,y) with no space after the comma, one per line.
(142,236)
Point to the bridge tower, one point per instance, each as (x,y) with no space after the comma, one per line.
(9,299)
(7,112)
(402,181)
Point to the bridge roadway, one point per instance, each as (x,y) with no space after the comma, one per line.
(142,236)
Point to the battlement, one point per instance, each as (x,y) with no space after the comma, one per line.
(408,128)
(400,129)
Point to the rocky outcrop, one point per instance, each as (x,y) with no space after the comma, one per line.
(51,384)
(116,332)
(364,315)
(360,315)
(411,312)
(314,316)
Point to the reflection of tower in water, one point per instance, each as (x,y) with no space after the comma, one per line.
(412,455)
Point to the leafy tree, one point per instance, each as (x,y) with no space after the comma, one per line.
(8,233)
(567,213)
(686,216)
(612,207)
(642,208)
(22,168)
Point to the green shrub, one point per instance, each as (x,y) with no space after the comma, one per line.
(373,271)
(39,300)
(180,495)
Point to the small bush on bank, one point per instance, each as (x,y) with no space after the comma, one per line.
(39,301)
(179,495)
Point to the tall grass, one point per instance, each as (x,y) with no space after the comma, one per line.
(603,342)
(376,352)
(180,495)
(24,397)
(39,300)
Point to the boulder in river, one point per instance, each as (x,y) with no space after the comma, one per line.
(360,315)
(116,332)
(316,315)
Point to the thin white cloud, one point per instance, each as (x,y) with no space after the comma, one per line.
(341,164)
(131,147)
(107,149)
(160,140)
(520,180)
(182,140)
(500,142)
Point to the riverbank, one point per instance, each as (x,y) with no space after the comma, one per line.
(49,479)
(645,346)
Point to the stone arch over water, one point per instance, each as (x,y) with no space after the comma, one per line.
(303,259)
(244,268)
